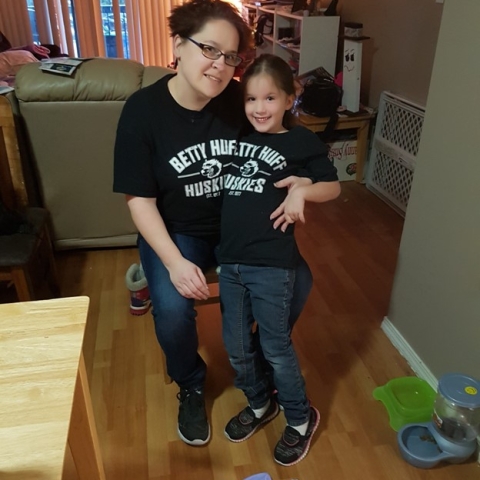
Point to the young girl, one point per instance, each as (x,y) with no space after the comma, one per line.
(258,261)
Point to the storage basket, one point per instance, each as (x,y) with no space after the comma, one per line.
(395,146)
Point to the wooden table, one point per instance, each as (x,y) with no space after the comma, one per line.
(44,395)
(360,122)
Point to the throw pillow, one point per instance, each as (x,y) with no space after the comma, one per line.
(12,60)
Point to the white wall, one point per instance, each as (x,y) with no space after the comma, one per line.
(399,55)
(435,303)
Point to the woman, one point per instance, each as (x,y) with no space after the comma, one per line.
(174,142)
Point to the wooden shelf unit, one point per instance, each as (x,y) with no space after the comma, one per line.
(318,38)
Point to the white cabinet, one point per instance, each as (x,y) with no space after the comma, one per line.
(317,36)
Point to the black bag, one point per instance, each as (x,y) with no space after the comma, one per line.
(264,26)
(321,97)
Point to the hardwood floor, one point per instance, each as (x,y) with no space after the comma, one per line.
(351,245)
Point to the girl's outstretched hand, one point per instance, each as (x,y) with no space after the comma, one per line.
(291,209)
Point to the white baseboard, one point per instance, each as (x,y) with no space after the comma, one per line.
(404,348)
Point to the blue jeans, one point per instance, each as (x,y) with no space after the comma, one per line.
(263,295)
(175,316)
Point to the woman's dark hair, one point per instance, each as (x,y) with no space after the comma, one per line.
(190,18)
(280,73)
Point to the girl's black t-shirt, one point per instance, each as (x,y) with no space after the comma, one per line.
(178,156)
(247,233)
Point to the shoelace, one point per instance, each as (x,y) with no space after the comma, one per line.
(192,400)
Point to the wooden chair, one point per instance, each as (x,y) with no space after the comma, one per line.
(26,259)
(212,279)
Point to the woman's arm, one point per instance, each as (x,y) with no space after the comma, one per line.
(187,277)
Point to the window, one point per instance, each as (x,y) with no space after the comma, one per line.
(33,21)
(109,32)
(134,29)
(108,24)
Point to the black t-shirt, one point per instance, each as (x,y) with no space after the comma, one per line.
(178,156)
(247,233)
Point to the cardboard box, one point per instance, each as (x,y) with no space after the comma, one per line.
(343,154)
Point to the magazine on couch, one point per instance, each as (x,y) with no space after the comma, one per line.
(62,65)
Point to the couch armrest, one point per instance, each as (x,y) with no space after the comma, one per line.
(97,79)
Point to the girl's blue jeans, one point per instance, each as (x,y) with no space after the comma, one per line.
(263,295)
(175,316)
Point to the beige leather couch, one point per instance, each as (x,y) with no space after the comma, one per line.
(69,125)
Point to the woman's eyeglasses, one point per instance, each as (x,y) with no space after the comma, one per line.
(212,53)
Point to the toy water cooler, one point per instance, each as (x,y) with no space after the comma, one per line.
(451,434)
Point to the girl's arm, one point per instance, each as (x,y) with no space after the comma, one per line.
(320,182)
(295,202)
(187,277)
(292,182)
(301,190)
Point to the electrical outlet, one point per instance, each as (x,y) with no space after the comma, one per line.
(439,1)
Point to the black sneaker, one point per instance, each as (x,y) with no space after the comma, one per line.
(193,427)
(293,447)
(245,424)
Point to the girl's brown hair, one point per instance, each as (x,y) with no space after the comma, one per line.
(191,17)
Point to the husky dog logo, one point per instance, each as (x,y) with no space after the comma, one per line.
(249,169)
(211,168)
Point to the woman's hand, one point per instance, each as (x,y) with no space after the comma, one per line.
(188,279)
(291,209)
